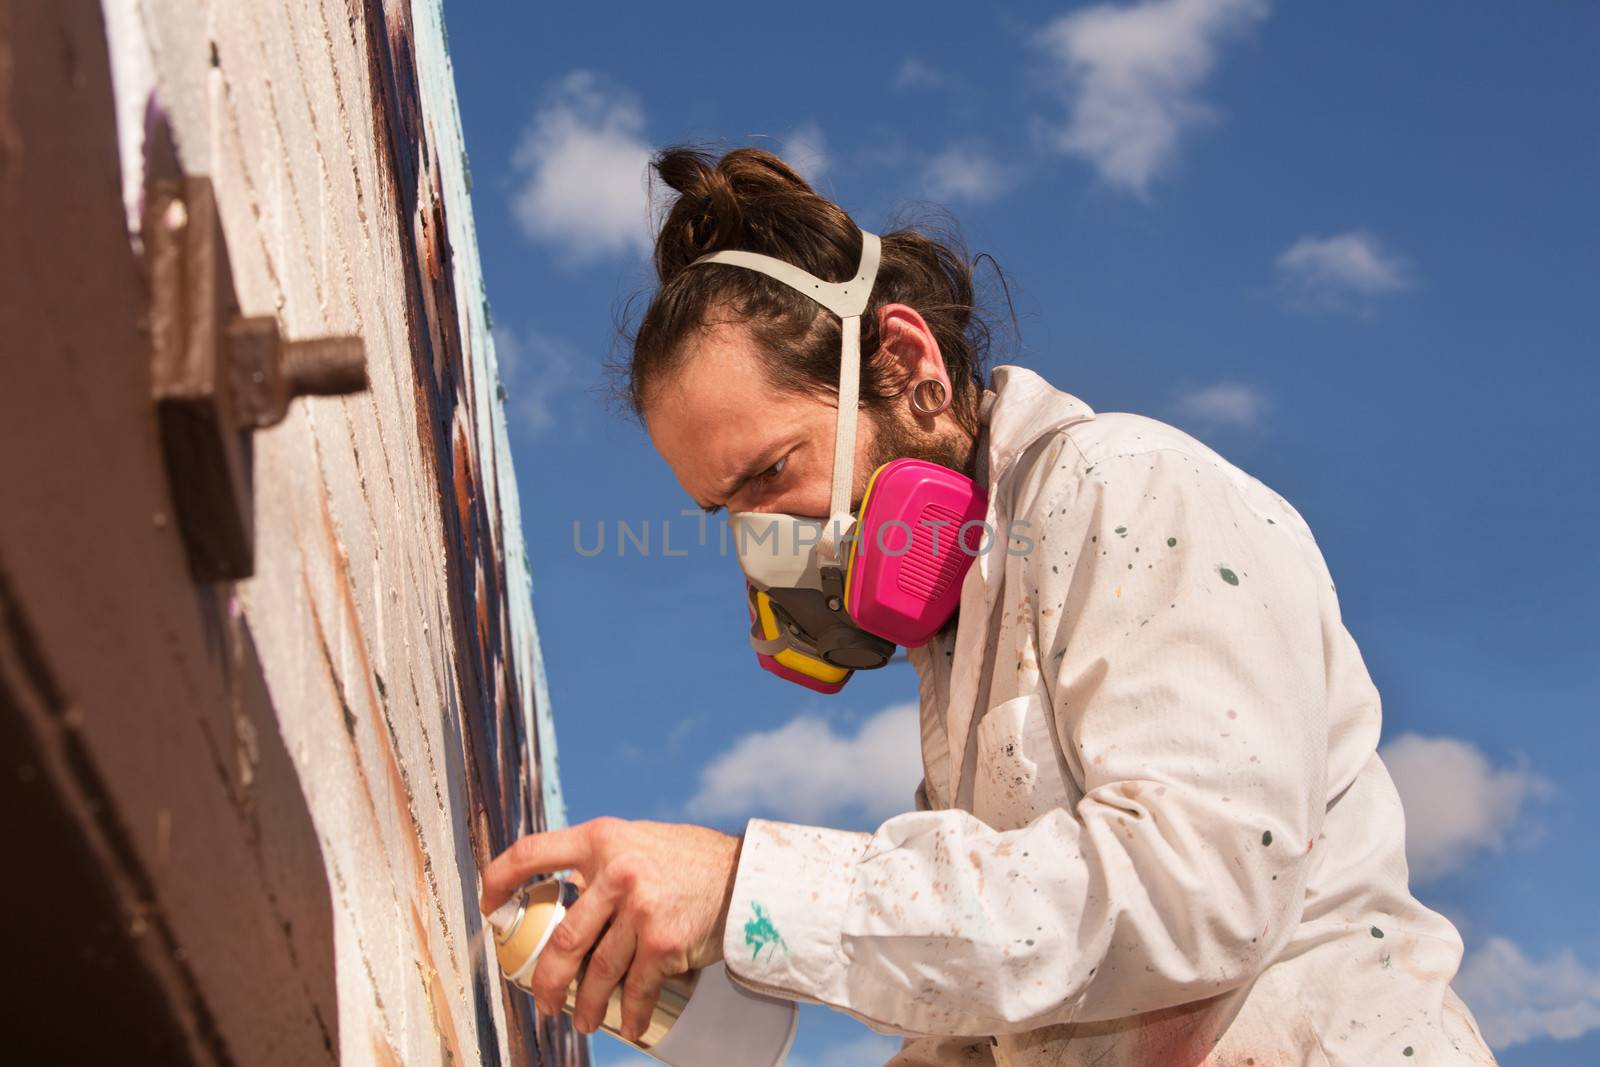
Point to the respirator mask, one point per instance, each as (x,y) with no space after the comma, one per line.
(828,597)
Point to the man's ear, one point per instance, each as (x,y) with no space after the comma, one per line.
(909,347)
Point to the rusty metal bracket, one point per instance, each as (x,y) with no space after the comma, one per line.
(217,375)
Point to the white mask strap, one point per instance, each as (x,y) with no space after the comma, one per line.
(847,300)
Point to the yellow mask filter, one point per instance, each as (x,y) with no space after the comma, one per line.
(785,660)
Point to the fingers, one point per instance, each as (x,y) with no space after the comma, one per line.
(640,992)
(569,943)
(543,853)
(607,967)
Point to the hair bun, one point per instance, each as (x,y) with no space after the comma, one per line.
(738,201)
(750,200)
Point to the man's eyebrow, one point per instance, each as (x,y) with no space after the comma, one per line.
(733,484)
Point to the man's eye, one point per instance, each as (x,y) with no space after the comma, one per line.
(775,470)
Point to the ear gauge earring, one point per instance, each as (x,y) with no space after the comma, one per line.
(933,404)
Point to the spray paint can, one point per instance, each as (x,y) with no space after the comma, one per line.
(702,1019)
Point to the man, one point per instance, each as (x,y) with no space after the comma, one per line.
(1153,827)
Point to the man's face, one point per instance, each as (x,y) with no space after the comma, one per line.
(735,441)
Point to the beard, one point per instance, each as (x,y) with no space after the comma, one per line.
(895,439)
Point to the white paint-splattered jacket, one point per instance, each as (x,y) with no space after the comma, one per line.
(1155,828)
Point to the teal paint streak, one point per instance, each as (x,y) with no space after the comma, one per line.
(759,933)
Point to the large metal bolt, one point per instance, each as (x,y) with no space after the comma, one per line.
(324,366)
(269,372)
(216,375)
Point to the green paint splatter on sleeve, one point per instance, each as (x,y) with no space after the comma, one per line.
(1228,576)
(1266,837)
(1172,542)
(759,933)
(1376,932)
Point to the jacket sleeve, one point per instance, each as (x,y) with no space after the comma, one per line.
(1165,625)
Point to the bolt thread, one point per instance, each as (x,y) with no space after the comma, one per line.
(324,366)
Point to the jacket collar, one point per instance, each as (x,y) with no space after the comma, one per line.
(1025,408)
(1021,408)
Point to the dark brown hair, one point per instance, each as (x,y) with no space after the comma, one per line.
(751,200)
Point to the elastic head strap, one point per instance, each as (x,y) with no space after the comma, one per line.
(848,300)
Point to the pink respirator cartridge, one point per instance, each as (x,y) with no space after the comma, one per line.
(921,526)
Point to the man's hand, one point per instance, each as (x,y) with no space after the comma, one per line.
(664,890)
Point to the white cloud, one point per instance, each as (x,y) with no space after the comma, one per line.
(623,1057)
(806,150)
(581,172)
(535,370)
(805,772)
(868,1050)
(916,74)
(1224,404)
(1341,272)
(1456,802)
(1517,1000)
(1132,73)
(968,172)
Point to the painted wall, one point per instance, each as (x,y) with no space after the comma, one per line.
(391,607)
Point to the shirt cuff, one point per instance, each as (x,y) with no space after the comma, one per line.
(789,899)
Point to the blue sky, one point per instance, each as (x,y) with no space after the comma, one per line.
(1351,246)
